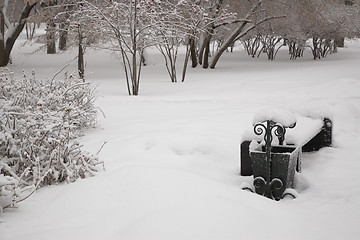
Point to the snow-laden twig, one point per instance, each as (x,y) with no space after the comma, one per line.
(57,73)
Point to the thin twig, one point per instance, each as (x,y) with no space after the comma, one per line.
(101,148)
(58,74)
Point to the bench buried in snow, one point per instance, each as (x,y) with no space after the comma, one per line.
(272,151)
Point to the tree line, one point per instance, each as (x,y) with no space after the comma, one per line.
(207,28)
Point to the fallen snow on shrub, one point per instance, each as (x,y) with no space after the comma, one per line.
(39,122)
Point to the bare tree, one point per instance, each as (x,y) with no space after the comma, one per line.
(10,30)
(355,20)
(67,6)
(276,33)
(49,9)
(247,24)
(339,40)
(215,11)
(127,25)
(78,29)
(178,23)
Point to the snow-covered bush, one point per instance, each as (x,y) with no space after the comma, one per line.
(39,122)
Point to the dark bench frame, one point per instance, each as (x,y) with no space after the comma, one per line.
(273,166)
(322,138)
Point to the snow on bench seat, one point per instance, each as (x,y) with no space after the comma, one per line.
(306,128)
(281,116)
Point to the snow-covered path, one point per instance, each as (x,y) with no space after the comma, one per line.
(172,155)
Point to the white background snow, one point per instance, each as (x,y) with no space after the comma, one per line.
(171,156)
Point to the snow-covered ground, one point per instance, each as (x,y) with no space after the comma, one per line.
(171,156)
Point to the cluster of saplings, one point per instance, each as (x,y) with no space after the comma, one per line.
(270,46)
(39,124)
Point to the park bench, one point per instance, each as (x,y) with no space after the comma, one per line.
(272,150)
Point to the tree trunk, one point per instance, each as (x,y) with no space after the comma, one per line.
(187,55)
(227,43)
(193,52)
(201,51)
(142,58)
(27,31)
(6,45)
(3,61)
(339,42)
(81,66)
(316,48)
(50,38)
(64,28)
(206,52)
(135,87)
(236,35)
(63,34)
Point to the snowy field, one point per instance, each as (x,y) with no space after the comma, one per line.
(171,156)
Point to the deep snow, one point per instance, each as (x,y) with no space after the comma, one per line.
(171,156)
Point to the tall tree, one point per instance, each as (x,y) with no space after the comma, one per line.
(48,12)
(243,27)
(67,6)
(78,28)
(126,25)
(339,40)
(11,29)
(179,22)
(130,27)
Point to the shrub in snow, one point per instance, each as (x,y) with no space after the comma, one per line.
(39,122)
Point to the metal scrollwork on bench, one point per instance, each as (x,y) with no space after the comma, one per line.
(266,186)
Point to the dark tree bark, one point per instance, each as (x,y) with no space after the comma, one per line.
(206,53)
(237,34)
(81,65)
(193,52)
(3,61)
(240,32)
(63,34)
(50,26)
(205,50)
(64,28)
(228,43)
(6,45)
(187,55)
(50,38)
(339,41)
(201,52)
